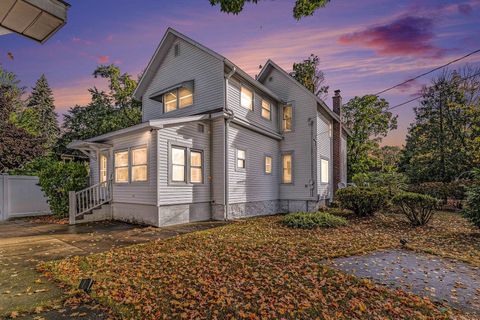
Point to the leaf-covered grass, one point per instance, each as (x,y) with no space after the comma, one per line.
(312,220)
(258,268)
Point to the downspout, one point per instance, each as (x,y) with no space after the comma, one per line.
(313,145)
(229,117)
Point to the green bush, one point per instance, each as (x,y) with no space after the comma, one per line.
(417,207)
(363,201)
(393,182)
(311,220)
(472,204)
(57,178)
(455,190)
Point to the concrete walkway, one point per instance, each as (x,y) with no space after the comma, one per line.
(454,282)
(24,244)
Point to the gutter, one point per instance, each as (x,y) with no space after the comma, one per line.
(229,117)
(313,149)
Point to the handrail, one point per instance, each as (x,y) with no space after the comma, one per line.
(92,197)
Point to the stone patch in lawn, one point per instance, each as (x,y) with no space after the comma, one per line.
(441,279)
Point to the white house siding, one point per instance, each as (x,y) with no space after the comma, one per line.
(218,163)
(191,64)
(299,141)
(252,116)
(183,203)
(183,135)
(94,170)
(136,192)
(324,151)
(343,155)
(251,191)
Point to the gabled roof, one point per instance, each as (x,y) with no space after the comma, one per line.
(161,51)
(270,64)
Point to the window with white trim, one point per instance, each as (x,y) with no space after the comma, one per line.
(178,164)
(246,98)
(121,167)
(268,164)
(196,166)
(287,121)
(266,109)
(324,172)
(241,159)
(178,98)
(287,165)
(103,167)
(139,164)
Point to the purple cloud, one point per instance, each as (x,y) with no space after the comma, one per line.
(465,9)
(404,36)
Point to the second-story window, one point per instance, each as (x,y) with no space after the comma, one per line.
(246,98)
(287,121)
(241,159)
(266,109)
(179,98)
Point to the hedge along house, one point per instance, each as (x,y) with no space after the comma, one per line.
(214,144)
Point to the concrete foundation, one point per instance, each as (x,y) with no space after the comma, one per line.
(250,209)
(184,213)
(136,213)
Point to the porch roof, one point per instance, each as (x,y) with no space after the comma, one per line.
(99,142)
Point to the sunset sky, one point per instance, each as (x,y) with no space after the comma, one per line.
(364,46)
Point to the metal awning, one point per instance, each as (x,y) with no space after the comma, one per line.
(35,19)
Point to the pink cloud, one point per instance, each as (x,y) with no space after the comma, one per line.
(407,35)
(103,59)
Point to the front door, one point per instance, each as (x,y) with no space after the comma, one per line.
(103,167)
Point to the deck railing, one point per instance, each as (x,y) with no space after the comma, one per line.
(85,200)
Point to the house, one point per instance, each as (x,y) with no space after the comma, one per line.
(214,143)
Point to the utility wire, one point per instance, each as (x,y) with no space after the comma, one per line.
(428,72)
(418,97)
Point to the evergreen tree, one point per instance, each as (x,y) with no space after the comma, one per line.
(17,146)
(39,117)
(444,141)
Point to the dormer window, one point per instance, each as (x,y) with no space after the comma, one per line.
(176,97)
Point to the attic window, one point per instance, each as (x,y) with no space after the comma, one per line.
(177,49)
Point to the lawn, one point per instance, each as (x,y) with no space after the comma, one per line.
(258,268)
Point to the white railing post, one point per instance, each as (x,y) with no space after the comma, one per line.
(72,207)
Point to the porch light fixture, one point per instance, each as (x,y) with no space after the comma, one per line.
(34,19)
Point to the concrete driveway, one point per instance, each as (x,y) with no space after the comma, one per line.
(23,244)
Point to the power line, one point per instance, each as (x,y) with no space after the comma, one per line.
(428,72)
(418,97)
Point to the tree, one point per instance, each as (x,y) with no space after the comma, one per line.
(387,158)
(39,117)
(17,146)
(308,74)
(302,8)
(369,121)
(108,111)
(444,141)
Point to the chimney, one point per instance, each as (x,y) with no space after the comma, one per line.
(337,141)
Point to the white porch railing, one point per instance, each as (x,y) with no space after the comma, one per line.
(85,200)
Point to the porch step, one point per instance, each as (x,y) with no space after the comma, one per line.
(104,212)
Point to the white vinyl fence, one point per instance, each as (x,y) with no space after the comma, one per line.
(20,196)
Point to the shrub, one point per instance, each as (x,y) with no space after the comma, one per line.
(363,201)
(418,208)
(455,190)
(472,204)
(394,182)
(57,178)
(311,220)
